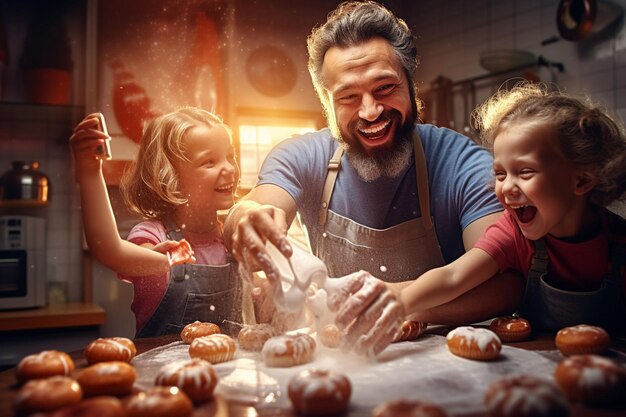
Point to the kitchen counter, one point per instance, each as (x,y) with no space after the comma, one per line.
(221,407)
(53,316)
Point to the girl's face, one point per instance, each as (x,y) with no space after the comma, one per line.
(535,182)
(209,179)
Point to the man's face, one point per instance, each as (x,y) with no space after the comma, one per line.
(370,100)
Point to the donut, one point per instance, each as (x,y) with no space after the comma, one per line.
(474,343)
(159,402)
(510,328)
(319,392)
(582,339)
(408,408)
(47,394)
(330,336)
(214,348)
(107,378)
(195,377)
(288,350)
(44,364)
(591,379)
(110,349)
(93,407)
(198,329)
(252,337)
(410,330)
(525,396)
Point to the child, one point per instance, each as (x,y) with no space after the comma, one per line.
(185,171)
(558,161)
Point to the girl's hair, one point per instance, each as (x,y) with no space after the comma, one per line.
(353,23)
(150,184)
(588,136)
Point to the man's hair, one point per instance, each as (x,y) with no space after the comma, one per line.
(150,185)
(353,23)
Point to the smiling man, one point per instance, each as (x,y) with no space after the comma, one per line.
(376,190)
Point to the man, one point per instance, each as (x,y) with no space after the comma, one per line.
(376,191)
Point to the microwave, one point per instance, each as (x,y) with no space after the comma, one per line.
(22,262)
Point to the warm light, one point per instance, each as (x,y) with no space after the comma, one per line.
(256,140)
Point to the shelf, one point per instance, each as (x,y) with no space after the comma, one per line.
(53,316)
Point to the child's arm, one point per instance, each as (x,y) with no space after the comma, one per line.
(444,284)
(99,224)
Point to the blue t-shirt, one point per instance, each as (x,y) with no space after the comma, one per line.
(459,175)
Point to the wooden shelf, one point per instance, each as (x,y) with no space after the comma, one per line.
(53,316)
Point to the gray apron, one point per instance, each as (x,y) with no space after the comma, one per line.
(208,293)
(550,308)
(398,253)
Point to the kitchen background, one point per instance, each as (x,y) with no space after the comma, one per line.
(246,59)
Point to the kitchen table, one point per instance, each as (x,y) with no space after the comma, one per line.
(227,408)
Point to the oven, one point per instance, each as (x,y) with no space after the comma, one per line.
(22,262)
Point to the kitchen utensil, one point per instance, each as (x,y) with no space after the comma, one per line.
(296,275)
(496,60)
(24,184)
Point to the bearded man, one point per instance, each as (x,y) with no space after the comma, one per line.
(377,190)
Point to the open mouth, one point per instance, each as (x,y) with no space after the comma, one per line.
(525,214)
(227,188)
(376,131)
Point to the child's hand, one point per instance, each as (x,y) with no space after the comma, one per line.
(178,252)
(85,141)
(368,311)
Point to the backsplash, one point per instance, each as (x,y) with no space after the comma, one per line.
(41,133)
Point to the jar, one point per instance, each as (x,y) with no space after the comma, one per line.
(24,184)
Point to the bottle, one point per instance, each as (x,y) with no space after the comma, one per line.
(296,276)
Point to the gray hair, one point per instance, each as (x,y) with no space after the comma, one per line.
(353,23)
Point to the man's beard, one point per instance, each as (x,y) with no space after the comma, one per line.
(386,163)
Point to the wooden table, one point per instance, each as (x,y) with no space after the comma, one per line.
(221,408)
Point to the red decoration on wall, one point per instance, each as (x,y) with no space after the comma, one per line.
(131,103)
(205,62)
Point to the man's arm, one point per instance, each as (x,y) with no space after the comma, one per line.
(264,214)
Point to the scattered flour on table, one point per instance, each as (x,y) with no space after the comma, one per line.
(423,369)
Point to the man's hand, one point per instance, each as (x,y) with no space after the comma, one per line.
(254,225)
(368,311)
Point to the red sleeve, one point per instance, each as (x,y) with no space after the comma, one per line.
(504,242)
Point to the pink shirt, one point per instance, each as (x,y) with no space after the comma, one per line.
(149,290)
(577,266)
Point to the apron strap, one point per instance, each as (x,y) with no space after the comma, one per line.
(539,262)
(329,184)
(423,190)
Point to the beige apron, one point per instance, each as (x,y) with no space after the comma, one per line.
(398,253)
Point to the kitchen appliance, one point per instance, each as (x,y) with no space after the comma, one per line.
(22,262)
(24,185)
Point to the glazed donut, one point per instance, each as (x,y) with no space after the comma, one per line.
(410,330)
(214,348)
(582,339)
(511,328)
(198,329)
(44,364)
(330,336)
(408,408)
(107,378)
(525,396)
(591,379)
(195,377)
(252,337)
(47,394)
(93,407)
(288,350)
(110,349)
(159,402)
(474,343)
(319,392)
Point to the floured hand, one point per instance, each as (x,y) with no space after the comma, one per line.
(178,252)
(368,311)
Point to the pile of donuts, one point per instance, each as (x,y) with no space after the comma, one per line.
(584,375)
